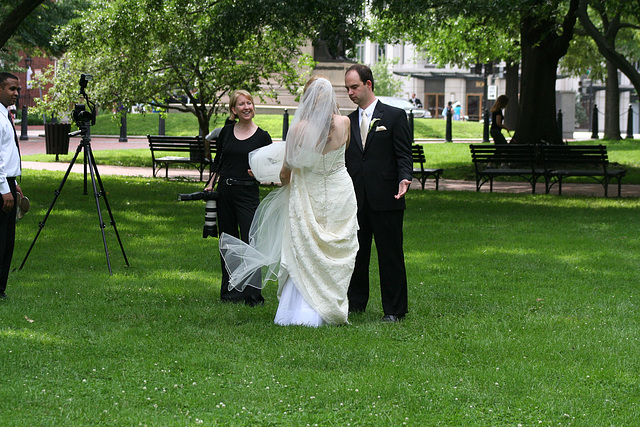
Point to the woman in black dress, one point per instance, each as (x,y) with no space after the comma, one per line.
(239,191)
(497,120)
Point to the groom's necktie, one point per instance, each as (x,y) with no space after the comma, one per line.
(364,127)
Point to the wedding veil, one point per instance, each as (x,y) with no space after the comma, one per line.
(305,145)
(309,131)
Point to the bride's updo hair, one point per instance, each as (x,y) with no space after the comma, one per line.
(311,124)
(311,80)
(321,95)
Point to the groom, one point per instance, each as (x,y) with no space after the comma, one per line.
(380,164)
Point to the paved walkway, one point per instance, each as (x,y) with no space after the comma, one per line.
(36,145)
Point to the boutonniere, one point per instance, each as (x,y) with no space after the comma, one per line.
(373,122)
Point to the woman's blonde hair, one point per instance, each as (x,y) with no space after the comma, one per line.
(234,98)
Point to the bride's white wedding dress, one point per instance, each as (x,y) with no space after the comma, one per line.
(319,244)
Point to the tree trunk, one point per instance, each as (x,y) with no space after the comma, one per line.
(542,47)
(203,123)
(537,107)
(612,105)
(512,73)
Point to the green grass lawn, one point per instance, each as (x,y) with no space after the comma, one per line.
(523,311)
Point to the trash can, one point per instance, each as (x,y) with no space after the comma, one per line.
(57,138)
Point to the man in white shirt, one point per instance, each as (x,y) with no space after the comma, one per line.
(9,171)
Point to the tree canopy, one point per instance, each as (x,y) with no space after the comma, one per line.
(614,27)
(189,54)
(545,28)
(448,38)
(610,18)
(29,25)
(12,14)
(386,83)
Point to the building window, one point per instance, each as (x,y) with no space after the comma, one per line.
(381,52)
(434,103)
(360,53)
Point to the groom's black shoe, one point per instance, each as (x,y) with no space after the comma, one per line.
(391,318)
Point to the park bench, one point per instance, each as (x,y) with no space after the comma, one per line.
(562,161)
(491,161)
(194,146)
(422,173)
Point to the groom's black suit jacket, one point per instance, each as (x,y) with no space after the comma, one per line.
(385,161)
(376,173)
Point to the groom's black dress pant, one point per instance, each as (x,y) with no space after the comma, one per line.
(386,228)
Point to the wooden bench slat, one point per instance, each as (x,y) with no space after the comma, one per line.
(193,145)
(422,173)
(491,161)
(579,160)
(553,162)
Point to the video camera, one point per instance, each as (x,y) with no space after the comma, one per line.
(210,210)
(82,116)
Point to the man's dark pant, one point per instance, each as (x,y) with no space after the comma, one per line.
(7,237)
(386,228)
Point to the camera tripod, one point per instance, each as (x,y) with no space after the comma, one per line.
(95,178)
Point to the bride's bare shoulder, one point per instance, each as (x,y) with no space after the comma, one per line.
(341,130)
(342,121)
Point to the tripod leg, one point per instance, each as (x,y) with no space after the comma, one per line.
(85,173)
(55,197)
(96,194)
(106,202)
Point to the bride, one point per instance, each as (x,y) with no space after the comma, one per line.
(305,232)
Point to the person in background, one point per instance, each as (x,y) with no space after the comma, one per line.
(415,101)
(9,171)
(239,194)
(497,120)
(447,110)
(12,110)
(457,112)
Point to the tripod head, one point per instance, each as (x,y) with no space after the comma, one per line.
(83,118)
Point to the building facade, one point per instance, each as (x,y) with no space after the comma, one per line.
(477,88)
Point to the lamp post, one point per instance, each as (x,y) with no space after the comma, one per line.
(25,110)
(488,69)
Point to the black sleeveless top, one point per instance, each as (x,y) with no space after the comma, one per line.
(235,152)
(494,121)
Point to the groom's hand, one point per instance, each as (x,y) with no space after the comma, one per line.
(403,187)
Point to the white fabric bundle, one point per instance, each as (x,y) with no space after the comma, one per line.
(266,162)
